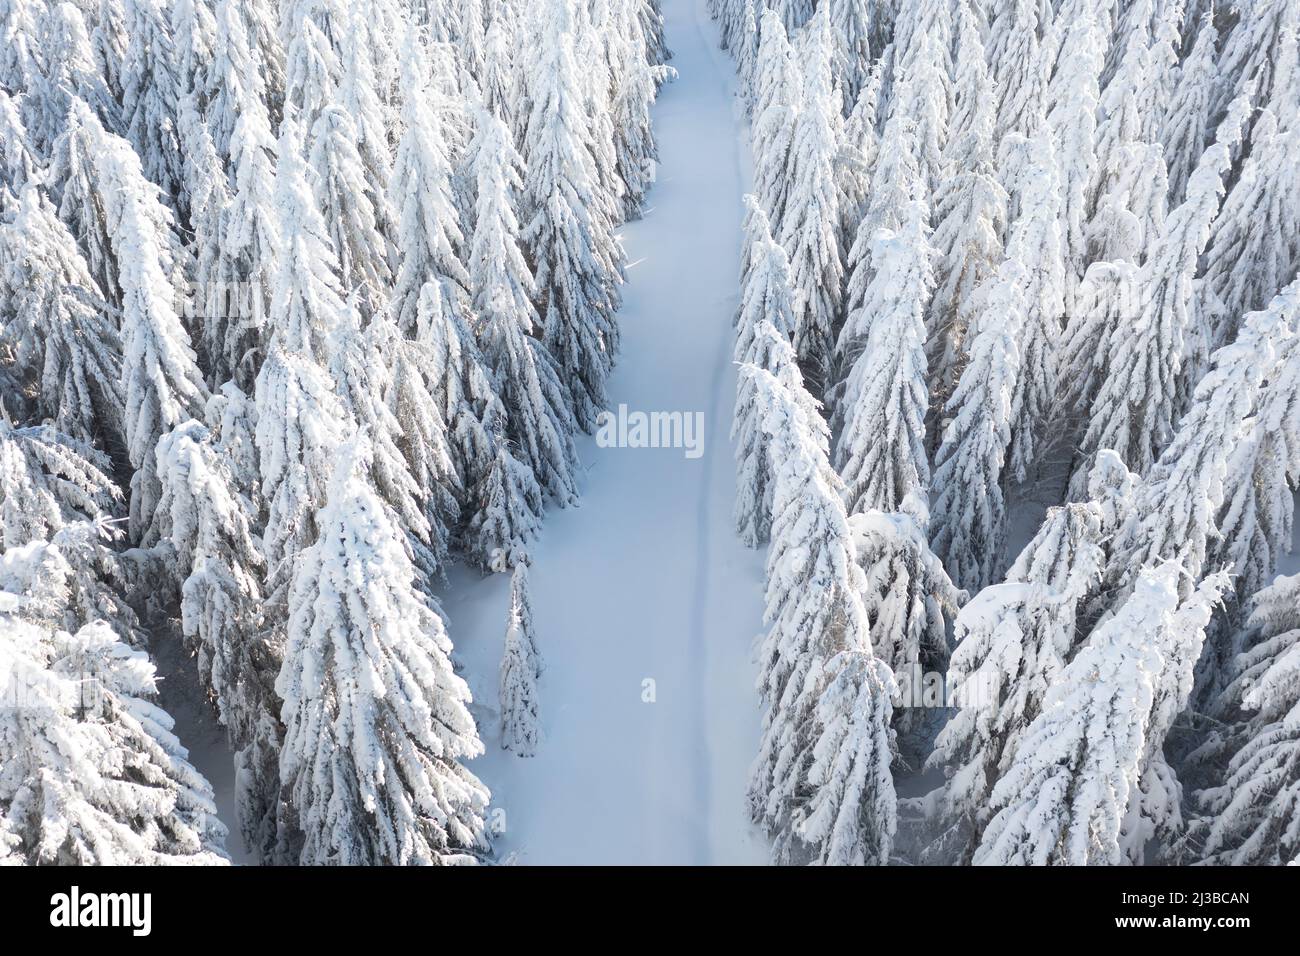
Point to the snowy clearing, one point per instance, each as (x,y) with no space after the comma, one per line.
(645,579)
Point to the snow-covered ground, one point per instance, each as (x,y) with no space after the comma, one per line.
(645,580)
(182,695)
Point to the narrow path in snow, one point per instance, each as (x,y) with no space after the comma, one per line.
(645,581)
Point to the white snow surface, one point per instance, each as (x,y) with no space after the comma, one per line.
(645,579)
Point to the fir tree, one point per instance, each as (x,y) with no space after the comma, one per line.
(428,231)
(1079,789)
(567,231)
(968,522)
(209,525)
(810,226)
(91,771)
(371,766)
(1250,816)
(815,611)
(67,355)
(881,449)
(765,327)
(532,393)
(520,668)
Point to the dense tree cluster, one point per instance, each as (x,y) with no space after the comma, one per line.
(300,301)
(999,255)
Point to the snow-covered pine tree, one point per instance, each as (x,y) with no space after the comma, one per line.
(348,147)
(348,209)
(1069,550)
(1124,78)
(62,67)
(909,599)
(1103,302)
(536,403)
(1072,99)
(208,194)
(591,26)
(1155,827)
(815,610)
(428,230)
(776,101)
(1259,53)
(764,329)
(968,520)
(636,83)
(520,668)
(850,21)
(65,349)
(1010,643)
(730,15)
(895,182)
(970,208)
(209,525)
(236,327)
(91,577)
(1255,524)
(312,69)
(1163,63)
(300,420)
(1255,244)
(368,56)
(652,25)
(151,92)
(470,34)
(1079,789)
(923,92)
(568,233)
(109,42)
(499,80)
(770,350)
(18,59)
(1142,389)
(1121,143)
(360,367)
(18,161)
(231,417)
(1185,126)
(412,390)
(853,813)
(308,305)
(194,39)
(745,47)
(1019,66)
(855,161)
(90,771)
(1036,243)
(49,481)
(1250,817)
(372,767)
(507,518)
(1252,524)
(881,448)
(1013,640)
(1130,206)
(238,81)
(1176,509)
(73,183)
(160,376)
(810,225)
(851,337)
